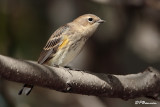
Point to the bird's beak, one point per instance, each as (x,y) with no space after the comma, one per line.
(101,21)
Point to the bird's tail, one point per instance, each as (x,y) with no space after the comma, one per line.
(26,89)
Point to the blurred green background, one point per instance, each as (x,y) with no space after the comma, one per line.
(128,42)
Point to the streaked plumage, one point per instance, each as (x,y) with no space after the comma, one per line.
(52,44)
(67,41)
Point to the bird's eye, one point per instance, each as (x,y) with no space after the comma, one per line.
(90,19)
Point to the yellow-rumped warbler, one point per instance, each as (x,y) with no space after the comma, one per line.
(66,43)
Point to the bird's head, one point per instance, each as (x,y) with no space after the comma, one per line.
(88,22)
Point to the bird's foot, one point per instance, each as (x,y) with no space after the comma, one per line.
(70,68)
(56,65)
(75,69)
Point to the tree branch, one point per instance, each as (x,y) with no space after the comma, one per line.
(130,86)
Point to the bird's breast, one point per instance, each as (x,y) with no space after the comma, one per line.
(66,54)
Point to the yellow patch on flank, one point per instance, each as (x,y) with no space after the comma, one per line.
(64,43)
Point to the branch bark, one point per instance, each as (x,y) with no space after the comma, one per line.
(144,84)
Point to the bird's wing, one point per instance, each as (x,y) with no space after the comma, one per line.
(52,44)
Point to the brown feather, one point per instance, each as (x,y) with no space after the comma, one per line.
(52,44)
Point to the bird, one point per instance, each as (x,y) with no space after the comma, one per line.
(66,43)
